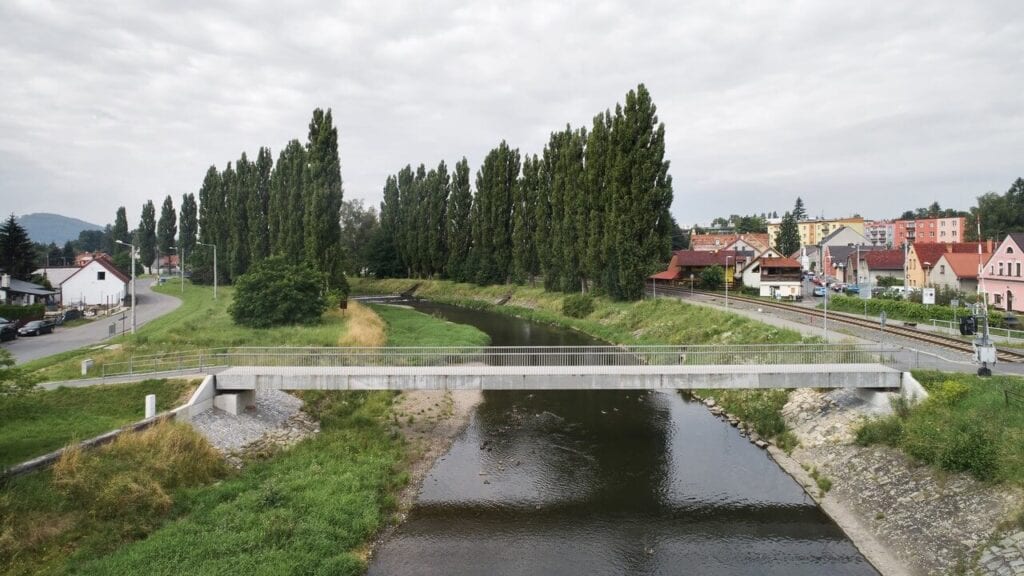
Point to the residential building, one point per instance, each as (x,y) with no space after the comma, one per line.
(96,283)
(880,232)
(1001,279)
(56,276)
(16,292)
(814,231)
(841,261)
(781,278)
(923,256)
(687,264)
(929,230)
(958,271)
(750,275)
(86,257)
(880,263)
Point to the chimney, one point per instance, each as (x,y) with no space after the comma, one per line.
(988,246)
(949,248)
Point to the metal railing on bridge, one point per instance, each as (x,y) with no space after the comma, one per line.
(510,356)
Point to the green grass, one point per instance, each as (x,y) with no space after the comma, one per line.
(44,421)
(964,426)
(408,327)
(199,323)
(661,321)
(762,409)
(308,510)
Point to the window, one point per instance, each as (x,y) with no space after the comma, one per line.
(101,275)
(999,298)
(1018,269)
(942,223)
(1000,268)
(942,269)
(1009,249)
(943,233)
(954,232)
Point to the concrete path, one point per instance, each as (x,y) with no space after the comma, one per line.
(150,305)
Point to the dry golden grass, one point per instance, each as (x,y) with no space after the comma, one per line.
(364,328)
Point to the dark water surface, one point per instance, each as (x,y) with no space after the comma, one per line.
(606,482)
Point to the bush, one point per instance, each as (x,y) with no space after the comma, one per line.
(578,305)
(712,277)
(22,314)
(888,430)
(276,292)
(949,392)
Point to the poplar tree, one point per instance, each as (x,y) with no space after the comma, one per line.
(212,220)
(188,227)
(460,236)
(598,162)
(323,199)
(437,234)
(495,185)
(146,240)
(259,206)
(120,231)
(239,190)
(287,189)
(385,252)
(167,226)
(407,210)
(525,264)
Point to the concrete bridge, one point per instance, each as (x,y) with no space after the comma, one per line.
(535,368)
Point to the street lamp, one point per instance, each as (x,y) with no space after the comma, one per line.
(181,265)
(727,282)
(132,247)
(214,246)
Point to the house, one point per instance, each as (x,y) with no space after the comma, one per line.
(750,274)
(781,278)
(1001,279)
(958,271)
(880,263)
(168,263)
(56,276)
(86,257)
(689,264)
(711,242)
(96,283)
(929,230)
(20,293)
(922,256)
(756,243)
(841,261)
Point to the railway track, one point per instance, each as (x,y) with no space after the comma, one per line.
(843,318)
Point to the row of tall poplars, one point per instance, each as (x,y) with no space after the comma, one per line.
(591,212)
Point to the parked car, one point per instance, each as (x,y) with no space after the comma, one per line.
(8,329)
(852,289)
(819,291)
(35,328)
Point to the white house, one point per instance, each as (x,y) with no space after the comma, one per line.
(96,283)
(751,273)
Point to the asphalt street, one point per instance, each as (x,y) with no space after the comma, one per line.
(150,305)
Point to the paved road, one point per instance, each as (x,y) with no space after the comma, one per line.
(150,305)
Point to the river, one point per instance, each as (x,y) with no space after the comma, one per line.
(606,482)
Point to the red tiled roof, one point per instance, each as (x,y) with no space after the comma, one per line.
(708,242)
(965,264)
(932,252)
(666,275)
(884,259)
(701,258)
(779,263)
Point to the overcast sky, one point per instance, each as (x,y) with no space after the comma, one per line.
(868,106)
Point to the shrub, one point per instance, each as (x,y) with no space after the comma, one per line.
(131,478)
(578,305)
(712,277)
(22,314)
(888,430)
(13,380)
(949,392)
(276,292)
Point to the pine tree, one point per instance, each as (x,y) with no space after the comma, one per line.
(188,227)
(17,253)
(167,226)
(798,210)
(120,231)
(323,202)
(460,236)
(146,240)
(788,240)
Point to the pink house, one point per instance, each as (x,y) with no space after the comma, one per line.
(1001,279)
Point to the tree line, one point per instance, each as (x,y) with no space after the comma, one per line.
(590,213)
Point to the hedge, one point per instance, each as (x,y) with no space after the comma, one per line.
(904,310)
(22,313)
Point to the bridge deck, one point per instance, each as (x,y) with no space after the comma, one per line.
(484,377)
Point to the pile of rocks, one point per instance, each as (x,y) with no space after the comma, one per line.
(1005,558)
(296,428)
(746,429)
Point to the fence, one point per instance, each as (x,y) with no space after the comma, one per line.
(512,356)
(1005,334)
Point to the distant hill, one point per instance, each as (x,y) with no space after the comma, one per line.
(45,228)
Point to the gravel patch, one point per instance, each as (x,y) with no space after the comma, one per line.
(230,433)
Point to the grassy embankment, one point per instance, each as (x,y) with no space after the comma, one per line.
(199,323)
(44,421)
(965,425)
(660,321)
(310,509)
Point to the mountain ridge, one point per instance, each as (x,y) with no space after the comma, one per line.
(47,227)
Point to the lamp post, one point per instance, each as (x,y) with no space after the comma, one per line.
(727,282)
(132,248)
(181,265)
(214,246)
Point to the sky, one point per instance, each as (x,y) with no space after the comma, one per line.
(870,107)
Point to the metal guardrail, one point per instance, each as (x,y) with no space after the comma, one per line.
(512,356)
(1005,333)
